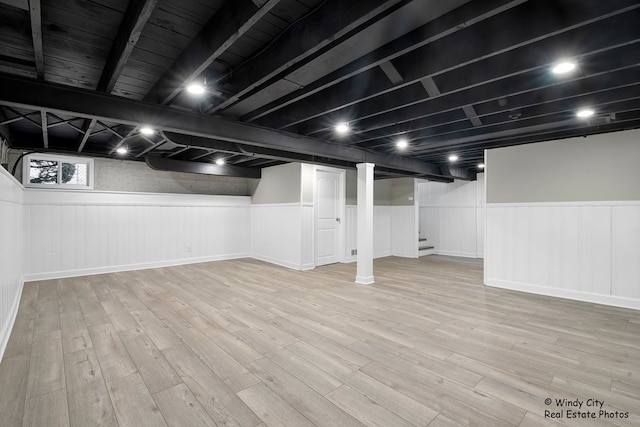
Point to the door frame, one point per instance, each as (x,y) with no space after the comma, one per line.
(342,199)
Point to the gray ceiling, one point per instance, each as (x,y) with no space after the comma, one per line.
(452,77)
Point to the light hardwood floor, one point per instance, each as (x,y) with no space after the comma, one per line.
(245,343)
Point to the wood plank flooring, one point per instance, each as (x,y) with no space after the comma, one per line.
(245,343)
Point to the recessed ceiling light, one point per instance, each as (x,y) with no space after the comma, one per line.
(122,150)
(146,130)
(343,128)
(453,158)
(402,143)
(585,112)
(563,67)
(481,166)
(220,162)
(195,89)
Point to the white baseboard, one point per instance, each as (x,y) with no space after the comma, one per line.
(458,254)
(405,254)
(282,263)
(365,280)
(128,267)
(565,293)
(309,266)
(8,327)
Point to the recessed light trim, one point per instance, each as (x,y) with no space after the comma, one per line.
(343,128)
(563,67)
(195,89)
(146,130)
(402,144)
(481,166)
(122,150)
(220,162)
(585,113)
(453,158)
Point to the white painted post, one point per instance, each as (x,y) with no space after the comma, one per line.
(364,274)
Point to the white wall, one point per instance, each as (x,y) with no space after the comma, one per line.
(572,232)
(588,251)
(282,234)
(12,231)
(452,216)
(73,233)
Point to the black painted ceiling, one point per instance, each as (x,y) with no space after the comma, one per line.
(450,77)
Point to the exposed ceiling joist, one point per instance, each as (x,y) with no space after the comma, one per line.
(229,23)
(133,22)
(20,4)
(472,115)
(330,22)
(458,19)
(164,164)
(436,60)
(36,95)
(35,13)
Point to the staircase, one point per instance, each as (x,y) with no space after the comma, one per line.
(424,248)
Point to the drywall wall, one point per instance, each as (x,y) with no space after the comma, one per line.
(13,231)
(279,184)
(596,168)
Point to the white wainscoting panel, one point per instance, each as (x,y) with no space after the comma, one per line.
(76,233)
(383,227)
(404,239)
(276,233)
(12,230)
(626,251)
(451,216)
(584,251)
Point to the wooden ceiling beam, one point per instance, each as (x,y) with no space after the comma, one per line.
(135,18)
(35,14)
(229,23)
(29,94)
(87,134)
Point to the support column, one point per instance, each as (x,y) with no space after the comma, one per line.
(364,274)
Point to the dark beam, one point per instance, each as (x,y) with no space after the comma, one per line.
(20,4)
(87,134)
(45,129)
(460,18)
(133,22)
(35,14)
(163,164)
(31,94)
(327,26)
(229,23)
(4,130)
(479,62)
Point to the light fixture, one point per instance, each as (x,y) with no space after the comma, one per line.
(563,67)
(453,158)
(122,150)
(585,113)
(402,143)
(146,130)
(343,128)
(481,166)
(220,162)
(195,89)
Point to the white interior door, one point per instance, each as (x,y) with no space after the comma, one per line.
(329,206)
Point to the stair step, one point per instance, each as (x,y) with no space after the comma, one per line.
(425,248)
(422,240)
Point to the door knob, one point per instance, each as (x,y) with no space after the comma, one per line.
(338,220)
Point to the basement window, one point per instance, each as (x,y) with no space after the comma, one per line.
(51,171)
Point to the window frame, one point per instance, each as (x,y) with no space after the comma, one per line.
(26,171)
